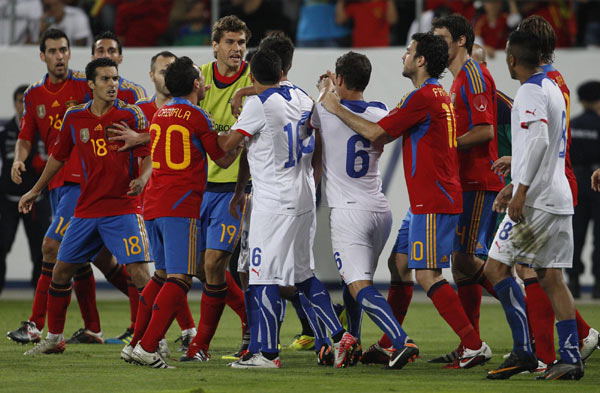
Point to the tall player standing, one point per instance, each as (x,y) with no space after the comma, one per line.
(108,209)
(425,240)
(219,229)
(473,95)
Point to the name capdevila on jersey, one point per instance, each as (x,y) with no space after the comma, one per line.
(174,112)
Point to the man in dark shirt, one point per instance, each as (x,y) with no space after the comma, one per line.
(37,223)
(585,134)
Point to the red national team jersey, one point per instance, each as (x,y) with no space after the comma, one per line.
(473,95)
(107,172)
(426,119)
(556,76)
(130,92)
(45,106)
(181,137)
(148,107)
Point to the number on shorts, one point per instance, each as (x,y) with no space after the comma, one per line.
(63,229)
(461,234)
(132,245)
(414,251)
(338,260)
(256,256)
(230,229)
(503,235)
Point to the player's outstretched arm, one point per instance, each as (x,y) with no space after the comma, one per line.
(230,141)
(502,199)
(596,180)
(129,136)
(22,150)
(317,157)
(237,201)
(238,97)
(502,165)
(51,169)
(479,134)
(136,186)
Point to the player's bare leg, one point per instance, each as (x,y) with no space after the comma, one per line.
(140,273)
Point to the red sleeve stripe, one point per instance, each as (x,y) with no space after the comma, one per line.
(243,133)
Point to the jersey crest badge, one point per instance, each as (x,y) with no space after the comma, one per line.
(453,98)
(84,135)
(41,111)
(480,103)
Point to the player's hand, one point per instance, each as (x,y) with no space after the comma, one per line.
(236,103)
(502,199)
(136,186)
(15,171)
(325,83)
(124,134)
(515,207)
(502,165)
(236,205)
(26,202)
(596,180)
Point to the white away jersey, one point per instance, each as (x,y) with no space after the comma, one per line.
(540,99)
(351,178)
(280,148)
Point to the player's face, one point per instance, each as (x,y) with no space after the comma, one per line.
(452,45)
(57,57)
(106,84)
(231,49)
(202,91)
(409,60)
(19,105)
(107,48)
(158,74)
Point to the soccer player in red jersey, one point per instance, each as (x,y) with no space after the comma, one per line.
(473,95)
(425,118)
(181,137)
(107,211)
(45,105)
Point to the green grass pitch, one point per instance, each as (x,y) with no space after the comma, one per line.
(97,368)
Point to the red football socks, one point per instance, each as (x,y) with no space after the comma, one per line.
(59,297)
(184,316)
(211,309)
(40,300)
(399,298)
(147,298)
(541,320)
(84,285)
(235,299)
(447,303)
(583,329)
(469,293)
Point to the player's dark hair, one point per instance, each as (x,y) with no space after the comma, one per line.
(282,45)
(180,76)
(544,33)
(92,67)
(355,68)
(266,67)
(19,90)
(458,26)
(107,35)
(229,23)
(52,34)
(250,54)
(164,53)
(435,51)
(524,47)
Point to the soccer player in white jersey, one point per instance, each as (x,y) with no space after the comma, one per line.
(538,228)
(280,147)
(351,187)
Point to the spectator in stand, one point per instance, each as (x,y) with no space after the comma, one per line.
(588,13)
(560,15)
(26,12)
(426,21)
(196,27)
(465,8)
(261,16)
(72,20)
(142,22)
(492,28)
(317,27)
(371,20)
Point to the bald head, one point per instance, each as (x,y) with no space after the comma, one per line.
(478,54)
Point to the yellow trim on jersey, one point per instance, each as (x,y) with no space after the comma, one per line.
(141,120)
(129,85)
(144,236)
(428,240)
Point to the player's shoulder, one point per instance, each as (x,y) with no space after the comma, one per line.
(504,99)
(133,109)
(75,110)
(145,101)
(137,89)
(34,87)
(78,76)
(366,107)
(477,77)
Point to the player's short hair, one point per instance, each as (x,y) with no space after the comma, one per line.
(250,54)
(107,35)
(19,90)
(458,26)
(164,53)
(589,91)
(283,46)
(52,34)
(355,68)
(92,67)
(229,23)
(524,47)
(266,67)
(180,76)
(435,51)
(544,33)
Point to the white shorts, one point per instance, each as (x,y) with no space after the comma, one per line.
(280,248)
(357,239)
(543,240)
(244,257)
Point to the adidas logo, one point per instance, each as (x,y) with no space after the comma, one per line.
(479,245)
(444,259)
(98,127)
(55,104)
(155,307)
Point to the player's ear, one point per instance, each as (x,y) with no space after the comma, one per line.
(91,84)
(339,80)
(252,77)
(462,40)
(42,57)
